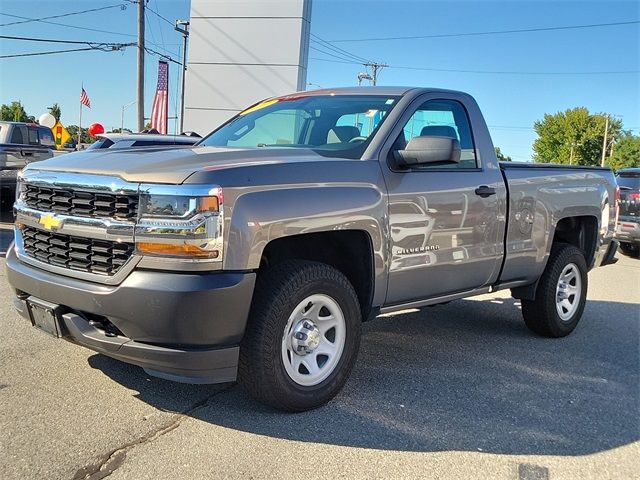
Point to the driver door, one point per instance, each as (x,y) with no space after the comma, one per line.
(445,237)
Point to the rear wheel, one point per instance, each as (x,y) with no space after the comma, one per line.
(302,336)
(630,249)
(561,294)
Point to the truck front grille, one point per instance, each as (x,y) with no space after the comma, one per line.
(80,203)
(103,257)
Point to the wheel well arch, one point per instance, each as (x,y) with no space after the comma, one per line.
(348,251)
(581,232)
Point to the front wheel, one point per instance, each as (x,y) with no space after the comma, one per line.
(561,294)
(302,337)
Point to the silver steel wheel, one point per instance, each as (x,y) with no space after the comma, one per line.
(313,340)
(568,292)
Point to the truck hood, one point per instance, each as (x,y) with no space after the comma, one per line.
(168,165)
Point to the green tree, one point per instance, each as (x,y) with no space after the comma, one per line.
(14,112)
(501,156)
(626,152)
(55,111)
(85,137)
(572,137)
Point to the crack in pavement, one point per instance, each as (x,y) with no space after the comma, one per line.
(109,463)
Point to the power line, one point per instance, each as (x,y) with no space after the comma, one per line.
(497,72)
(52,52)
(162,55)
(71,42)
(336,49)
(491,32)
(155,12)
(77,42)
(506,72)
(334,55)
(69,26)
(121,5)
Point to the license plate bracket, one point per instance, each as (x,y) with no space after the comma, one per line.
(44,315)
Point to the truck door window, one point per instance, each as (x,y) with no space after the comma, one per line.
(443,118)
(33,136)
(17,136)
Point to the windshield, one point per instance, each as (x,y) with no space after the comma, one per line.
(629,181)
(331,125)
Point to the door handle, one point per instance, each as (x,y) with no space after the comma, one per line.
(485,191)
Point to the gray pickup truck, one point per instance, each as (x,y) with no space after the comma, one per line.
(20,143)
(257,254)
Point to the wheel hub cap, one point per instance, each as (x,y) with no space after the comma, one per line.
(313,340)
(305,337)
(568,292)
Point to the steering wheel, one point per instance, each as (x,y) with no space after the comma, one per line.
(358,139)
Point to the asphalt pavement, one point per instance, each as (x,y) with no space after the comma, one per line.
(462,390)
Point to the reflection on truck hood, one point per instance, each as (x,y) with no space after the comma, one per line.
(169,165)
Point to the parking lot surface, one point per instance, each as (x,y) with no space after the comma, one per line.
(462,390)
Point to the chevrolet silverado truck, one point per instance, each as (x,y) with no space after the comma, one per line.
(257,254)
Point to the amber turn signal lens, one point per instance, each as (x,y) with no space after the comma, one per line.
(170,250)
(208,204)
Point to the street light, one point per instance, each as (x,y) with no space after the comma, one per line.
(185,35)
(124,107)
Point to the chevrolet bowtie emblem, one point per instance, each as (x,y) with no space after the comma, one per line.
(50,222)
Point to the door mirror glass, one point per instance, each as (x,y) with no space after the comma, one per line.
(431,150)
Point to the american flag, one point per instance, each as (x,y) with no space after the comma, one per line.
(159,111)
(84,99)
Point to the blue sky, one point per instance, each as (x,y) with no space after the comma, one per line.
(511,102)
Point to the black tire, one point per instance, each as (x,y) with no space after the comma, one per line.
(278,291)
(541,314)
(630,249)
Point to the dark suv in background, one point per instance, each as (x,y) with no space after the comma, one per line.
(628,230)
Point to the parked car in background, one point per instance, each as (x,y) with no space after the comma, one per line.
(131,140)
(20,143)
(628,229)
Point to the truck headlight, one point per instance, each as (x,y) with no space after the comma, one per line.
(176,206)
(180,223)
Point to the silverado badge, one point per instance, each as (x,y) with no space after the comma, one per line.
(49,221)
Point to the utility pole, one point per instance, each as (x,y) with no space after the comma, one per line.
(185,35)
(604,142)
(140,100)
(375,66)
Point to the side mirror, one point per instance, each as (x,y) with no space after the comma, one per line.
(429,150)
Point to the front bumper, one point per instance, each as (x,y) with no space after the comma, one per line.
(184,327)
(628,231)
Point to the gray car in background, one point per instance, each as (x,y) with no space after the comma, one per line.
(628,230)
(257,254)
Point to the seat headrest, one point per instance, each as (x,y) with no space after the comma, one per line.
(438,131)
(342,134)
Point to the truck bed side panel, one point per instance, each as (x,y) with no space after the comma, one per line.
(539,197)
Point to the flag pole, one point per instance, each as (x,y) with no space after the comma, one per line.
(80,121)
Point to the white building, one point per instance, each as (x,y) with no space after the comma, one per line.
(240,52)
